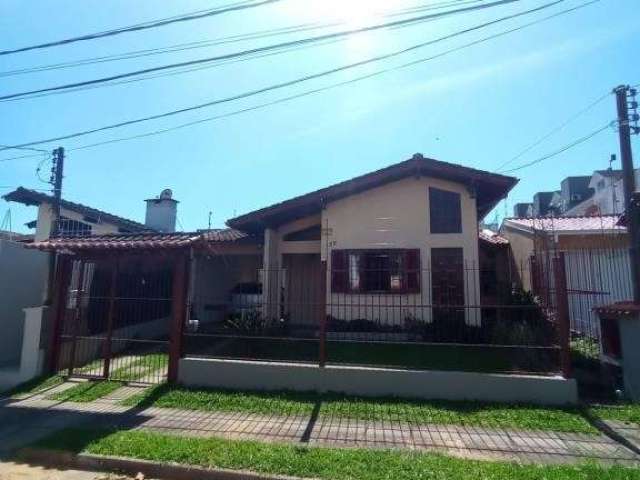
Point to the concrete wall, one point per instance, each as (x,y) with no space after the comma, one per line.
(396,215)
(377,382)
(23,276)
(522,248)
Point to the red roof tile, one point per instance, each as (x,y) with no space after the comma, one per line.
(138,241)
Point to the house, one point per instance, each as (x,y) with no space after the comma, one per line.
(75,218)
(542,203)
(608,196)
(25,274)
(595,249)
(523,210)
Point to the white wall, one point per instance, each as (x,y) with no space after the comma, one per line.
(377,382)
(23,276)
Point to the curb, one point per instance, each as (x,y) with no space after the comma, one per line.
(132,467)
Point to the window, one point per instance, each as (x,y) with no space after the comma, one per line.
(73,228)
(445,213)
(367,271)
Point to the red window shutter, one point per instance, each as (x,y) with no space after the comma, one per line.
(338,271)
(412,270)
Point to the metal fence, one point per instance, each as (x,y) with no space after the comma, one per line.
(452,315)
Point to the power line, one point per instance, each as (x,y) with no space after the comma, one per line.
(393,24)
(299,80)
(329,87)
(554,131)
(221,40)
(4,147)
(144,26)
(563,149)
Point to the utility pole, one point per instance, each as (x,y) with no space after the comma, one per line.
(625,97)
(57,170)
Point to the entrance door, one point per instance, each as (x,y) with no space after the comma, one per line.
(447,283)
(303,295)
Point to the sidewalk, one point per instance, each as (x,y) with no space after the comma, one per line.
(36,416)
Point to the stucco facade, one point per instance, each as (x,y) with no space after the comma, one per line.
(45,221)
(392,216)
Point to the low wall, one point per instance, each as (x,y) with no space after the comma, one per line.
(426,384)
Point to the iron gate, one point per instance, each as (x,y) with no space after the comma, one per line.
(114,322)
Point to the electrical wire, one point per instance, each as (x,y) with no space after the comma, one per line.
(563,149)
(266,48)
(304,27)
(554,131)
(328,87)
(144,26)
(295,81)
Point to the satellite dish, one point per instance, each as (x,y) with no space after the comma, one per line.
(166,194)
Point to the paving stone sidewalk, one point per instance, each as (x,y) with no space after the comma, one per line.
(463,441)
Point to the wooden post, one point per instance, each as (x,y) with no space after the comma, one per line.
(562,312)
(322,335)
(178,315)
(58,310)
(113,288)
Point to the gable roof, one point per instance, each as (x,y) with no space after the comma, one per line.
(566,225)
(31,197)
(490,188)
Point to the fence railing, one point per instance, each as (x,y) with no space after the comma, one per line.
(446,320)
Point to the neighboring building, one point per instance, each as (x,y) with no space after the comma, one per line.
(608,197)
(75,218)
(596,261)
(542,204)
(523,210)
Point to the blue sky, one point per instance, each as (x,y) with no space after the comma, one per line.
(478,107)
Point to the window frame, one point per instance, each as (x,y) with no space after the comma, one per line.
(342,271)
(435,205)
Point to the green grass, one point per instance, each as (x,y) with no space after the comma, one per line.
(86,391)
(626,412)
(431,357)
(325,463)
(141,367)
(35,386)
(377,409)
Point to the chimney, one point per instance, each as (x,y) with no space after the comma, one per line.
(161,212)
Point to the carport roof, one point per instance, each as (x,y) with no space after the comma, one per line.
(139,241)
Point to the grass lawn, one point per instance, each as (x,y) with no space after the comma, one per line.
(378,409)
(34,386)
(626,412)
(429,357)
(334,464)
(86,391)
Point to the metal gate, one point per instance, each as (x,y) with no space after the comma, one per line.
(114,321)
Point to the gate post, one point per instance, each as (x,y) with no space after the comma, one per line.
(322,335)
(178,315)
(61,288)
(107,350)
(562,313)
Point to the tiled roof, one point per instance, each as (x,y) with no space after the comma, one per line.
(568,224)
(223,235)
(31,197)
(489,188)
(138,241)
(492,237)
